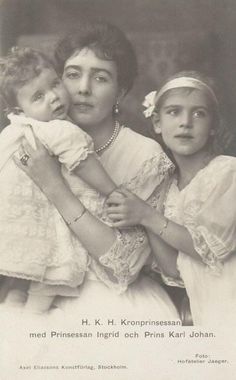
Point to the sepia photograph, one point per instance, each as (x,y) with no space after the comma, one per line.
(117,188)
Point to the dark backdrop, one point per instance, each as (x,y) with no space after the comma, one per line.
(168,35)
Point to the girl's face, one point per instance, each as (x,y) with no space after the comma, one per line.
(44,98)
(93,88)
(185,121)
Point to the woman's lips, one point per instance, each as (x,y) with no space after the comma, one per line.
(83,106)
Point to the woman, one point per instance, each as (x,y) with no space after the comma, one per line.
(98,67)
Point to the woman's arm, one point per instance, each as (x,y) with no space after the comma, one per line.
(122,252)
(126,209)
(45,171)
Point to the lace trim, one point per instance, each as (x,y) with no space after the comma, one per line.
(118,258)
(102,275)
(198,234)
(83,156)
(217,245)
(157,167)
(73,282)
(31,229)
(211,250)
(170,281)
(155,198)
(208,256)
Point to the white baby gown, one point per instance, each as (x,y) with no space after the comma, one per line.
(36,244)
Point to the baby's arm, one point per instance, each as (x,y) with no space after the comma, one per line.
(75,150)
(94,174)
(73,147)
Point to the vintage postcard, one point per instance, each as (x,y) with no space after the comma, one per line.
(78,300)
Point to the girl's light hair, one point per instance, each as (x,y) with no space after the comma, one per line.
(220,140)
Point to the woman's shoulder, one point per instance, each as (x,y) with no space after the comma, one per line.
(138,142)
(144,160)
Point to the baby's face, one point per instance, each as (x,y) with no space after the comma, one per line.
(44,98)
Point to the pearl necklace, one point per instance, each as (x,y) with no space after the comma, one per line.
(111,139)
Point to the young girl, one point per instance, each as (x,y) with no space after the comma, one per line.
(193,234)
(36,243)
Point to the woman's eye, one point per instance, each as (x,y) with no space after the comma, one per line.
(72,75)
(101,78)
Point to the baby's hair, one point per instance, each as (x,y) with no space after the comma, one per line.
(221,139)
(19,67)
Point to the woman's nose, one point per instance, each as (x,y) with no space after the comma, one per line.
(84,86)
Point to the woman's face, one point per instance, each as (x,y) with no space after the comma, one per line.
(93,88)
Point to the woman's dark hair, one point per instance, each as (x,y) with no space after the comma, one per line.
(108,42)
(19,67)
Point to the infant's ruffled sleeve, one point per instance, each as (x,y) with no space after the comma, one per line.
(67,141)
(62,138)
(210,212)
(124,259)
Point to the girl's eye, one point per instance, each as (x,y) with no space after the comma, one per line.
(173,111)
(199,114)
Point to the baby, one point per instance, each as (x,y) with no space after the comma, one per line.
(36,244)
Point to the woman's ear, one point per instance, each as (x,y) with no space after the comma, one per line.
(121,94)
(156,122)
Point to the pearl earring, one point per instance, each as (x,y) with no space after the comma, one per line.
(116,108)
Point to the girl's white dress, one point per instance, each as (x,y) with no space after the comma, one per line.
(207,208)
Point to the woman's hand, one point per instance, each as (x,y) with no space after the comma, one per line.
(126,209)
(42,168)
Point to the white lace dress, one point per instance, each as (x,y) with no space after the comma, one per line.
(139,164)
(207,208)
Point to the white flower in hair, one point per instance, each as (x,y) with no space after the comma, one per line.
(149,103)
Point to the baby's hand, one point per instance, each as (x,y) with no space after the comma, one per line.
(125,208)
